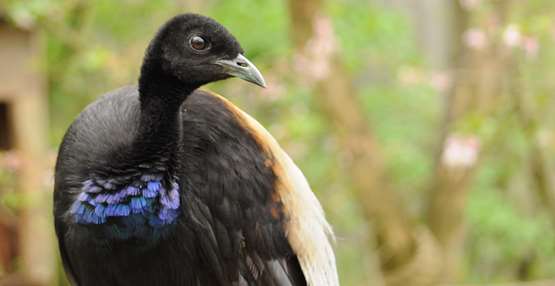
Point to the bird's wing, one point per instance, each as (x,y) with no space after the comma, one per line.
(305,227)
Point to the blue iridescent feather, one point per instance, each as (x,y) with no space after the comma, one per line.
(102,200)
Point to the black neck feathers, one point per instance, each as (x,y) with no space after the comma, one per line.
(161,96)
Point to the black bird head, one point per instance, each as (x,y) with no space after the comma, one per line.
(196,50)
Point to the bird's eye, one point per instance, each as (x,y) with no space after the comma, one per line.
(198,43)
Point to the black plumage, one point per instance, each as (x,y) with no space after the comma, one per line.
(165,184)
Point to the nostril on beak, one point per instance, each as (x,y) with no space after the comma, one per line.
(242,64)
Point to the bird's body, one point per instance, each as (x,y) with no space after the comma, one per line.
(165,184)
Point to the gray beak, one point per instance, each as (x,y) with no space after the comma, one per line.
(242,68)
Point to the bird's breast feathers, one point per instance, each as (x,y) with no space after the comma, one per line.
(133,207)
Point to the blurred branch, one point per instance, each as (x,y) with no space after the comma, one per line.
(539,166)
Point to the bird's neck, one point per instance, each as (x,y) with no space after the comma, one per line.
(161,96)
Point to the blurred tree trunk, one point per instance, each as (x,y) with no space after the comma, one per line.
(28,115)
(407,254)
(450,181)
(477,82)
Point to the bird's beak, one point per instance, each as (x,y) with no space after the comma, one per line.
(242,68)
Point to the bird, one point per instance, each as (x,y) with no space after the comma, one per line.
(166,183)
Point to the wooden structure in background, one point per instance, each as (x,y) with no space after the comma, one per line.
(23,129)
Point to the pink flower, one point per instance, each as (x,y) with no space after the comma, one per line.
(461,151)
(475,38)
(531,47)
(512,36)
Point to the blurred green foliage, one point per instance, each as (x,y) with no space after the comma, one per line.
(93,47)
